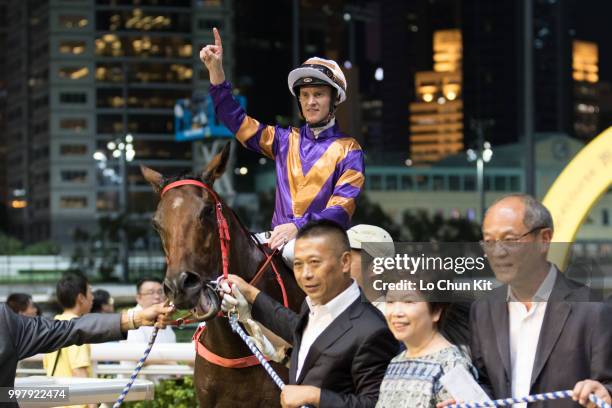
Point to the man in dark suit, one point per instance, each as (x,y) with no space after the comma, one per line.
(22,336)
(537,332)
(341,343)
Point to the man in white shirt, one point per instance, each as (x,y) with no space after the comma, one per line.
(342,345)
(149,292)
(538,332)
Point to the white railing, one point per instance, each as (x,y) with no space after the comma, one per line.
(119,358)
(86,390)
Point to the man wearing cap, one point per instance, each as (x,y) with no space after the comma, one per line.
(382,247)
(319,170)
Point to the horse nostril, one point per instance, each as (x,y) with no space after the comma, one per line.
(168,288)
(189,281)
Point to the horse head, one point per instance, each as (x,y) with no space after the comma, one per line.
(186,222)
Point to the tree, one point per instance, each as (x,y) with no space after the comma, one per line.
(367,212)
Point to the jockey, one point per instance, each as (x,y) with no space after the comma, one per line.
(319,170)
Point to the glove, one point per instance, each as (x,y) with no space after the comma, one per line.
(234,301)
(263,344)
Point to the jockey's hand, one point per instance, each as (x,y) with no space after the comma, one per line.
(263,343)
(234,301)
(282,234)
(447,402)
(583,389)
(212,57)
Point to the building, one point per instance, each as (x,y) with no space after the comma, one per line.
(585,72)
(564,75)
(83,73)
(436,116)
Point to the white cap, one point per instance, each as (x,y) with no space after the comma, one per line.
(371,233)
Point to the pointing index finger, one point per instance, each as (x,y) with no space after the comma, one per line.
(217,37)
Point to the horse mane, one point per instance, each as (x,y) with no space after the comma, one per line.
(192,176)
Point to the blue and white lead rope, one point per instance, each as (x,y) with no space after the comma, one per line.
(233,319)
(141,362)
(548,396)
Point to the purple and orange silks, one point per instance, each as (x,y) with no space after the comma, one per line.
(316,177)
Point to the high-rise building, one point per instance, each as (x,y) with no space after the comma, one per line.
(436,116)
(585,63)
(563,71)
(82,73)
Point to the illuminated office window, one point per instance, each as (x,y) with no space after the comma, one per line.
(585,61)
(73,202)
(73,124)
(73,73)
(73,21)
(72,47)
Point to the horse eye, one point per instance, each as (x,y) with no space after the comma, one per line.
(155,225)
(207,211)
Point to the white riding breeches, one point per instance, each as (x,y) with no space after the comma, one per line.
(287,249)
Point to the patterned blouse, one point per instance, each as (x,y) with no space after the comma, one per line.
(415,382)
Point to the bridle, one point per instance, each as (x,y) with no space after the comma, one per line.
(224,240)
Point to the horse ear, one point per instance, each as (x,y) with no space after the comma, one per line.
(154,178)
(216,167)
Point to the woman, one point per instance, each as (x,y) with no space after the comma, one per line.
(435,335)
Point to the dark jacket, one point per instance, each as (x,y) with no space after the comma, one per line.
(22,337)
(575,343)
(349,358)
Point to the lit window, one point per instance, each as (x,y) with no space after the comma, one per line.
(72,47)
(73,124)
(73,72)
(73,202)
(72,21)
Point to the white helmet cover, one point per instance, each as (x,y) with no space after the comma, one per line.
(325,70)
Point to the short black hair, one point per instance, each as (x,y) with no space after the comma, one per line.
(18,302)
(69,287)
(100,297)
(146,279)
(325,227)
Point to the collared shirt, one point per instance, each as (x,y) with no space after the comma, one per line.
(525,326)
(319,171)
(321,316)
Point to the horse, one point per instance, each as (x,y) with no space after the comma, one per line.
(188,219)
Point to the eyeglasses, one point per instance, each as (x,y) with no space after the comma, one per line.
(159,292)
(508,243)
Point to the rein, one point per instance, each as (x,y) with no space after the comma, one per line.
(224,240)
